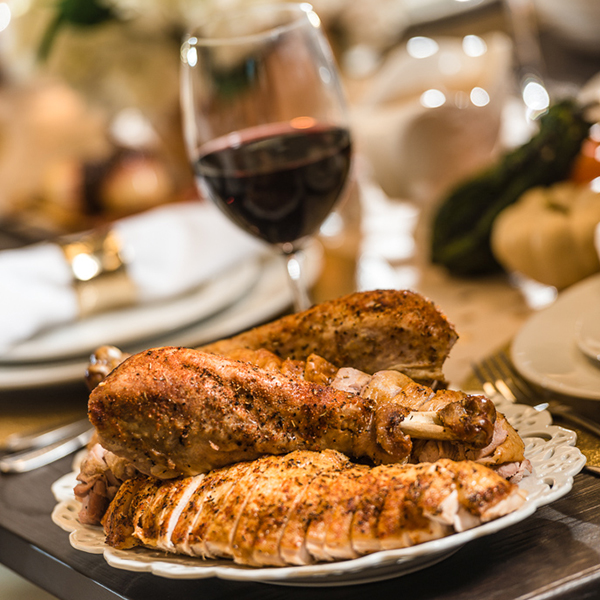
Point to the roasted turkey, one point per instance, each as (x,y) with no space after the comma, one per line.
(170,412)
(177,411)
(306,507)
(370,331)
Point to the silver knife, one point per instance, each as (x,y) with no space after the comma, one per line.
(17,442)
(28,460)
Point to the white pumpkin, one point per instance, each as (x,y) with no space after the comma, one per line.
(548,234)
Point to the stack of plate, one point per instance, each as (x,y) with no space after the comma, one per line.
(237,299)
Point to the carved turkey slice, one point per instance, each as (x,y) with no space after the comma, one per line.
(306,507)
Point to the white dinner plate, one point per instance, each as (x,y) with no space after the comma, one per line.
(551,450)
(546,352)
(266,296)
(137,323)
(587,333)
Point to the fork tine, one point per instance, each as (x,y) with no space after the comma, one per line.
(526,389)
(504,380)
(488,385)
(492,380)
(496,373)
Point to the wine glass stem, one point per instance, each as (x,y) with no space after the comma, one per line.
(300,295)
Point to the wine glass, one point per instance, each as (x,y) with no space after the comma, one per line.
(266,125)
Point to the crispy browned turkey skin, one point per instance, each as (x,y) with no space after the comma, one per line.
(177,411)
(102,361)
(472,428)
(306,507)
(370,331)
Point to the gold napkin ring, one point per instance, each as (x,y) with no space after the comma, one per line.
(99,271)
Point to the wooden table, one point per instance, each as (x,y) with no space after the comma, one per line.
(553,554)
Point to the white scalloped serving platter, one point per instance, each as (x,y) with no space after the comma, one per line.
(551,450)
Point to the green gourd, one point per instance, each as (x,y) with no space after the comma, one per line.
(462,225)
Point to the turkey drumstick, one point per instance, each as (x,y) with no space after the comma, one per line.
(176,411)
(457,416)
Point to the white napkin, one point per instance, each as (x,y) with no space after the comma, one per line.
(168,250)
(432,113)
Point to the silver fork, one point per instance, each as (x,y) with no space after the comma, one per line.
(497,375)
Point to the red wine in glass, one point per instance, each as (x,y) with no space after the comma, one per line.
(278,182)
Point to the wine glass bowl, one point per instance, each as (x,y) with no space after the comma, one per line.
(266,125)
